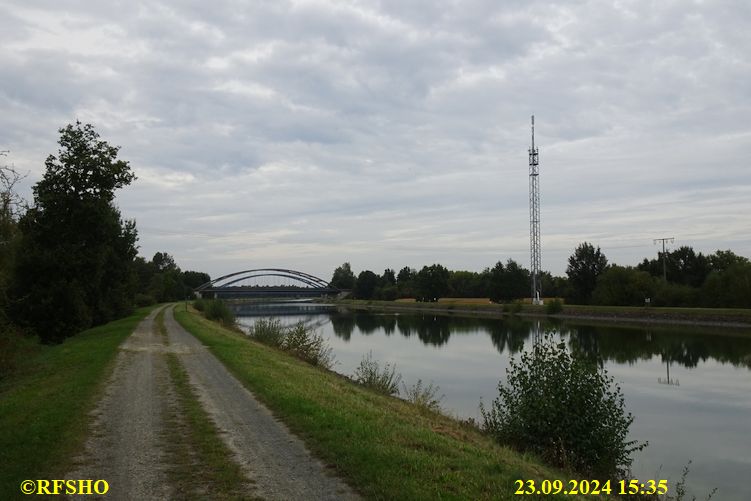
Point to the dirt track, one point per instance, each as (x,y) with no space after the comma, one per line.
(127,447)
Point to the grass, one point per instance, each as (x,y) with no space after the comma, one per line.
(44,405)
(382,446)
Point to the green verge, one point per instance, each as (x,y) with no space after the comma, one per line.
(382,446)
(44,405)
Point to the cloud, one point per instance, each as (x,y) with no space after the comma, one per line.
(308,133)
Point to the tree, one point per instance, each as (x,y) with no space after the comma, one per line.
(432,282)
(366,284)
(623,286)
(584,266)
(75,260)
(508,282)
(405,282)
(343,277)
(722,260)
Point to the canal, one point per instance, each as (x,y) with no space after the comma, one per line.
(688,388)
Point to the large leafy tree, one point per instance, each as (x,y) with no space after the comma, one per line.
(343,277)
(584,266)
(75,262)
(432,282)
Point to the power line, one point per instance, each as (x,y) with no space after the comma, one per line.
(664,256)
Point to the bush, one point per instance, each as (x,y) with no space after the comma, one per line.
(142,300)
(308,345)
(564,408)
(216,309)
(268,331)
(553,307)
(370,374)
(423,396)
(199,304)
(299,340)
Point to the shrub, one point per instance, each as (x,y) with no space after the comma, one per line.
(564,408)
(216,309)
(144,300)
(308,345)
(370,374)
(553,307)
(268,331)
(199,304)
(515,307)
(423,396)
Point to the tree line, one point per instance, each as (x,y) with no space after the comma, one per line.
(69,259)
(680,278)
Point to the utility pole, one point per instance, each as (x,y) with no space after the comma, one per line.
(664,256)
(534,219)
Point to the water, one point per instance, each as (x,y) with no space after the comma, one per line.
(689,389)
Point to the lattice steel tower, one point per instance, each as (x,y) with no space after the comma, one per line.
(534,219)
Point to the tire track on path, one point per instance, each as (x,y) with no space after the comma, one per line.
(126,447)
(277,461)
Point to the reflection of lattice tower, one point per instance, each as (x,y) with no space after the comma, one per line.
(534,219)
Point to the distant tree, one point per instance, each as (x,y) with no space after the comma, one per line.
(584,266)
(366,284)
(75,261)
(194,279)
(508,282)
(164,262)
(623,286)
(432,282)
(388,277)
(343,277)
(466,284)
(682,266)
(722,260)
(405,282)
(730,288)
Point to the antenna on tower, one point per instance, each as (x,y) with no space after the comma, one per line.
(534,219)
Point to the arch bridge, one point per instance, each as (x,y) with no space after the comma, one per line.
(226,287)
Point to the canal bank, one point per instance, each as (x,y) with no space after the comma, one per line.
(687,386)
(702,317)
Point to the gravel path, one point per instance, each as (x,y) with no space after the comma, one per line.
(272,457)
(127,445)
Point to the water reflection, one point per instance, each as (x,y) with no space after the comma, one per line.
(623,345)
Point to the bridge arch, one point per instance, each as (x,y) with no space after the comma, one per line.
(225,285)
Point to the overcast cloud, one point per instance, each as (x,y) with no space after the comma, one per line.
(303,134)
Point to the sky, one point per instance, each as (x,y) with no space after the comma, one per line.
(303,134)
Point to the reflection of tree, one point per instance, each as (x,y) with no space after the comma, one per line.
(389,324)
(601,343)
(509,334)
(368,322)
(629,345)
(343,325)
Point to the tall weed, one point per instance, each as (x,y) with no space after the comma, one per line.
(370,374)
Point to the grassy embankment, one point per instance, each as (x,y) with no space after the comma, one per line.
(622,314)
(382,446)
(44,405)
